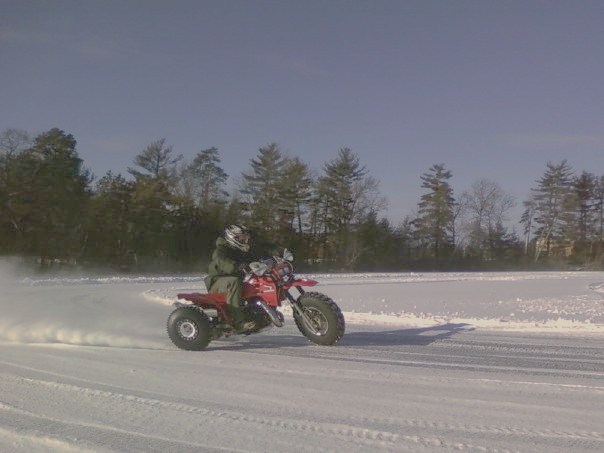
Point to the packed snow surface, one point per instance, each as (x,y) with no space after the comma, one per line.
(429,362)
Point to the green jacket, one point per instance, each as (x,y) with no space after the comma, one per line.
(226,261)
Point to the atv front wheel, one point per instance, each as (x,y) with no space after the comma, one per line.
(323,322)
(189,328)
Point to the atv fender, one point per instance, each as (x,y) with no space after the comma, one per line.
(216,302)
(303,282)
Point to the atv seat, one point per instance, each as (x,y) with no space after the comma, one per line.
(210,300)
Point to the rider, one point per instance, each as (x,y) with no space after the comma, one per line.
(225,274)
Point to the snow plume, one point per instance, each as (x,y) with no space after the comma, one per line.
(74,315)
(42,333)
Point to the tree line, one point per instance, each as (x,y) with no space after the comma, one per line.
(166,213)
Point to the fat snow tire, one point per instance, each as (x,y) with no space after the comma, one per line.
(326,313)
(189,328)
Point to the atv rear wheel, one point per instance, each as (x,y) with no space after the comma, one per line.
(189,328)
(324,316)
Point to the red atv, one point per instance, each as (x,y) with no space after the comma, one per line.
(266,286)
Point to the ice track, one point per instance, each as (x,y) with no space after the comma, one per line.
(112,381)
(467,391)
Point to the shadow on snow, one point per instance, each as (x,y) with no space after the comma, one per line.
(421,336)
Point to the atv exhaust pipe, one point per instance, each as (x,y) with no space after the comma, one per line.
(271,313)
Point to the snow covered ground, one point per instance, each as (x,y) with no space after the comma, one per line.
(429,362)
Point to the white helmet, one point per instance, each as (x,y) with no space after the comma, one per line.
(238,236)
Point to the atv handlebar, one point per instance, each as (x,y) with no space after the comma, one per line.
(265,265)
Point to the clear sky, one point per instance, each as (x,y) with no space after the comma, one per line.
(492,89)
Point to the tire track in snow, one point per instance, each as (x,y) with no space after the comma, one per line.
(33,442)
(188,409)
(482,353)
(70,431)
(346,431)
(116,438)
(465,366)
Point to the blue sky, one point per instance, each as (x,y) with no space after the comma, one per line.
(492,89)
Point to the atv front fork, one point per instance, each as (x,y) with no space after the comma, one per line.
(300,311)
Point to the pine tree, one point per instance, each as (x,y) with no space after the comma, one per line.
(203,180)
(527,219)
(585,232)
(434,224)
(109,227)
(380,248)
(553,207)
(154,203)
(50,197)
(13,142)
(297,193)
(156,161)
(262,189)
(346,195)
(341,174)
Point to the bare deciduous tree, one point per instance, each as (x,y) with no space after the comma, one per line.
(485,207)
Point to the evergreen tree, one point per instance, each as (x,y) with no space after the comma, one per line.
(318,225)
(154,203)
(198,214)
(193,233)
(203,180)
(434,224)
(153,209)
(380,248)
(12,143)
(297,193)
(527,218)
(585,234)
(156,161)
(109,228)
(48,200)
(341,174)
(553,207)
(346,195)
(263,189)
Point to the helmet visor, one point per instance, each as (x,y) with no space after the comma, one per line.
(243,238)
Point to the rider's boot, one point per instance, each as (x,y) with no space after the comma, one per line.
(239,323)
(244,326)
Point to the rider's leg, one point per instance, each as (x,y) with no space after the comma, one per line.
(231,286)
